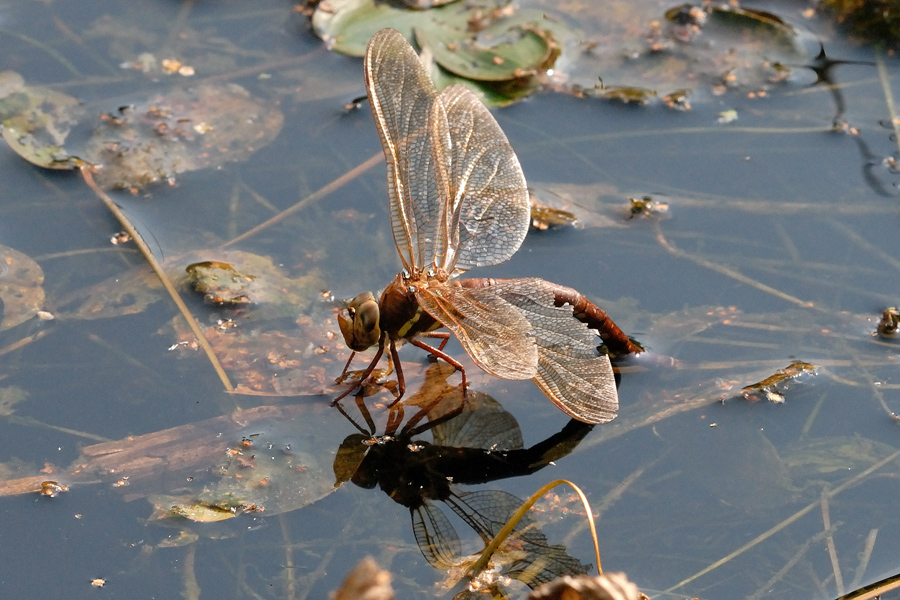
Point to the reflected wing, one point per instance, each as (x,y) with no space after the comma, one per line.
(413,127)
(571,372)
(493,332)
(488,210)
(435,536)
(526,555)
(457,193)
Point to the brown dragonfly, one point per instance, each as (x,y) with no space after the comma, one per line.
(458,200)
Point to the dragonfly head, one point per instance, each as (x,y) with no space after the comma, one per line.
(359,322)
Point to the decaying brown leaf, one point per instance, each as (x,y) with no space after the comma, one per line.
(366,582)
(608,586)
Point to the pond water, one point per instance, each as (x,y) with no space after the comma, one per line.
(778,243)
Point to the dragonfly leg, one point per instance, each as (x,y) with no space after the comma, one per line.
(343,375)
(368,371)
(438,353)
(401,382)
(444,336)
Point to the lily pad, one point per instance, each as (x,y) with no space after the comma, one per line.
(495,55)
(491,93)
(347,25)
(21,287)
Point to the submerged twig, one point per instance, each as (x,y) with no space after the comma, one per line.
(766,588)
(875,388)
(56,54)
(32,422)
(290,581)
(796,516)
(189,574)
(829,542)
(864,559)
(728,272)
(157,268)
(314,197)
(24,341)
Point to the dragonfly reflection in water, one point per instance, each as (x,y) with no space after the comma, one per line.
(473,441)
(458,200)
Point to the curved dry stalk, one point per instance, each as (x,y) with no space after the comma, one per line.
(315,196)
(157,268)
(485,557)
(875,590)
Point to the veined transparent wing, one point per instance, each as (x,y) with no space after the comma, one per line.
(411,123)
(458,197)
(492,331)
(436,536)
(488,211)
(570,371)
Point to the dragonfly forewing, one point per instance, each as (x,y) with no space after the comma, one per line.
(458,195)
(409,119)
(493,332)
(488,204)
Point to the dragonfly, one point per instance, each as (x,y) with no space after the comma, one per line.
(458,200)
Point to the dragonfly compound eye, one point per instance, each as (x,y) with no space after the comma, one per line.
(360,324)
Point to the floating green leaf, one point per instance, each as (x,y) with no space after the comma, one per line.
(347,25)
(495,55)
(491,93)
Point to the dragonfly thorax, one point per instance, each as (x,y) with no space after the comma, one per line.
(401,315)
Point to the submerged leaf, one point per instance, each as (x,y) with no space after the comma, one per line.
(9,397)
(36,121)
(547,217)
(21,287)
(174,507)
(220,283)
(769,385)
(624,94)
(588,205)
(185,130)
